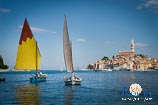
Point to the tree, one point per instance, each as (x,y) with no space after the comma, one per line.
(2,66)
(141,55)
(105,58)
(1,62)
(90,66)
(113,57)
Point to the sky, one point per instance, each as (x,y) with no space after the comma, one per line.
(97,28)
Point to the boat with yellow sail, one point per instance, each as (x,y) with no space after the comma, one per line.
(28,54)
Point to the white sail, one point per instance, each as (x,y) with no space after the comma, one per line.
(67,47)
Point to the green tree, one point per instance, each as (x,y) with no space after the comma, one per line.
(2,66)
(141,55)
(105,58)
(1,62)
(113,57)
(90,66)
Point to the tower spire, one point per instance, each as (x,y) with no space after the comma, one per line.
(132,46)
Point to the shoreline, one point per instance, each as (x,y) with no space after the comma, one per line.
(5,70)
(9,70)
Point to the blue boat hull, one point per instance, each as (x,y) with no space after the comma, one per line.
(37,79)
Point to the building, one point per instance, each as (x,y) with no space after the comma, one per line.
(127,60)
(129,53)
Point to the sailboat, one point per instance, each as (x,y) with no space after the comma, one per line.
(28,54)
(67,47)
(39,76)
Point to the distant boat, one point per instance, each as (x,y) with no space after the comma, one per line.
(28,55)
(2,79)
(67,47)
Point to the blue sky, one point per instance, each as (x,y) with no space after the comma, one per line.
(97,28)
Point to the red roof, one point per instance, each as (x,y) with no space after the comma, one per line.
(125,53)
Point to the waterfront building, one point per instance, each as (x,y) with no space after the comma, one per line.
(99,65)
(127,60)
(129,53)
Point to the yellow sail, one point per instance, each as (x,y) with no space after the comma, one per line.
(28,54)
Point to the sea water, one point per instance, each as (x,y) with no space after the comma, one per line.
(97,88)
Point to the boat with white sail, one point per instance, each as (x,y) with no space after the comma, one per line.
(67,47)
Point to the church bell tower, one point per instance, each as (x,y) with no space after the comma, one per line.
(132,46)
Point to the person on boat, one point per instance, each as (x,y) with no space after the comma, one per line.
(38,74)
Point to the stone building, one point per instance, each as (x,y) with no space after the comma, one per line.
(128,60)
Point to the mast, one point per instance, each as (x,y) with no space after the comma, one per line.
(36,58)
(67,47)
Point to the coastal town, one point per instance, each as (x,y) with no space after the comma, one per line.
(126,60)
(123,60)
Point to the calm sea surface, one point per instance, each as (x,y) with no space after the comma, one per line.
(97,88)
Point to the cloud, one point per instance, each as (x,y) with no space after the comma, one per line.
(39,30)
(139,7)
(36,29)
(4,10)
(141,45)
(148,4)
(81,40)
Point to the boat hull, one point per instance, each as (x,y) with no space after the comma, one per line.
(2,79)
(72,82)
(37,79)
